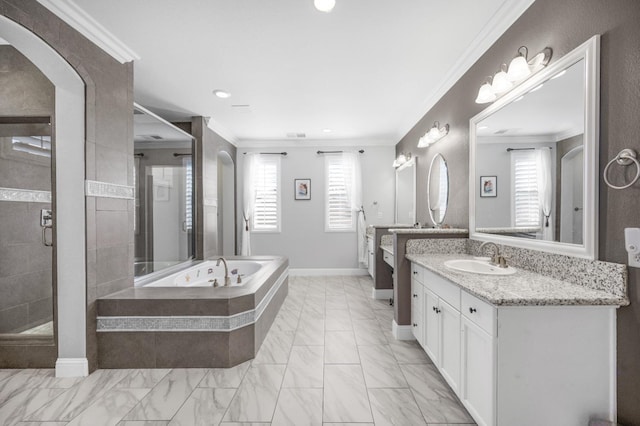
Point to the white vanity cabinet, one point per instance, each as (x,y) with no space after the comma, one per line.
(371,253)
(517,365)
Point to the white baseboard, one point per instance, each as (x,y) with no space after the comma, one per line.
(72,367)
(307,272)
(402,332)
(382,293)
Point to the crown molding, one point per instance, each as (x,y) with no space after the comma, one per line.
(499,23)
(315,143)
(222,131)
(82,22)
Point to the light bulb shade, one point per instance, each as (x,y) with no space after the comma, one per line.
(485,94)
(518,69)
(433,135)
(423,142)
(324,5)
(501,83)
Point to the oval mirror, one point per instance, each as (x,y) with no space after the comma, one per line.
(438,189)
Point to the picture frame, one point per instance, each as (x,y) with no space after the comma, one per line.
(302,189)
(488,186)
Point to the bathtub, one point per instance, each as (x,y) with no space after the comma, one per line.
(207,274)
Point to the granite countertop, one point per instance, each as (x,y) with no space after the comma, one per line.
(522,288)
(427,231)
(388,249)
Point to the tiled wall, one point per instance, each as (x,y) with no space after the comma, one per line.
(108,150)
(26,284)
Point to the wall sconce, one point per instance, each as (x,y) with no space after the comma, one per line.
(402,158)
(433,135)
(520,68)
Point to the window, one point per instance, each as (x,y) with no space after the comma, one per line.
(339,181)
(525,201)
(266,184)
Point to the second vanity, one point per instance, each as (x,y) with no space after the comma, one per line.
(524,349)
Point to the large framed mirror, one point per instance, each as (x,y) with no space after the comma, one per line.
(406,193)
(164,220)
(534,160)
(438,190)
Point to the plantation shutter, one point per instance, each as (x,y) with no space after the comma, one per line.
(526,203)
(266,180)
(339,178)
(188,201)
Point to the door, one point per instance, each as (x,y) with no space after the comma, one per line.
(417,315)
(450,344)
(478,378)
(432,326)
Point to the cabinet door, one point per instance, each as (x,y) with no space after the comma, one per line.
(372,265)
(450,344)
(432,326)
(417,315)
(478,378)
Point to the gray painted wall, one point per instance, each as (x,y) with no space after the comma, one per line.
(564,25)
(303,238)
(108,155)
(26,275)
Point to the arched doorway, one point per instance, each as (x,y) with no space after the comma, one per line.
(69,201)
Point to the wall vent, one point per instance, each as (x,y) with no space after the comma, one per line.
(295,135)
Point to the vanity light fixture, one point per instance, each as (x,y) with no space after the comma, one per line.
(519,70)
(501,82)
(402,159)
(324,5)
(486,93)
(433,135)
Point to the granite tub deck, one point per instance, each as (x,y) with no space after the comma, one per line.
(520,289)
(178,327)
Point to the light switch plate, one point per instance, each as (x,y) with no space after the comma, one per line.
(632,245)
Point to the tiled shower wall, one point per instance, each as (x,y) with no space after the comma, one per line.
(26,286)
(108,150)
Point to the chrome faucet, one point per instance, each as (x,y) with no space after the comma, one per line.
(227,280)
(497,259)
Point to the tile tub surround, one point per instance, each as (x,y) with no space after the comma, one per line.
(522,288)
(301,387)
(221,327)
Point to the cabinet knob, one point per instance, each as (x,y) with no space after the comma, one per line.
(438,311)
(415,272)
(472,310)
(415,325)
(415,295)
(435,309)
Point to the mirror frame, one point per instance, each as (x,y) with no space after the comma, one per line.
(590,53)
(410,163)
(437,224)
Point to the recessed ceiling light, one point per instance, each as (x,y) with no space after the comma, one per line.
(324,5)
(326,130)
(221,93)
(483,127)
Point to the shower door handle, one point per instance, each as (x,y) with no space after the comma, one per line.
(44,236)
(46,222)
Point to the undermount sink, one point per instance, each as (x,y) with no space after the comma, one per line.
(478,267)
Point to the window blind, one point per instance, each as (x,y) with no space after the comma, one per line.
(339,180)
(526,203)
(266,181)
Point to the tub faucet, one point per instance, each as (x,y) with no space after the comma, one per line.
(227,280)
(497,259)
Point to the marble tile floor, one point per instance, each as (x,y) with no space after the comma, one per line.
(328,359)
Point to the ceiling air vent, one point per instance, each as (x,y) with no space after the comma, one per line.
(501,132)
(295,135)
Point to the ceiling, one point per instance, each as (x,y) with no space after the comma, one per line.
(369,70)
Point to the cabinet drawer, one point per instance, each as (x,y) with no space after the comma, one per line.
(481,313)
(417,272)
(388,258)
(445,290)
